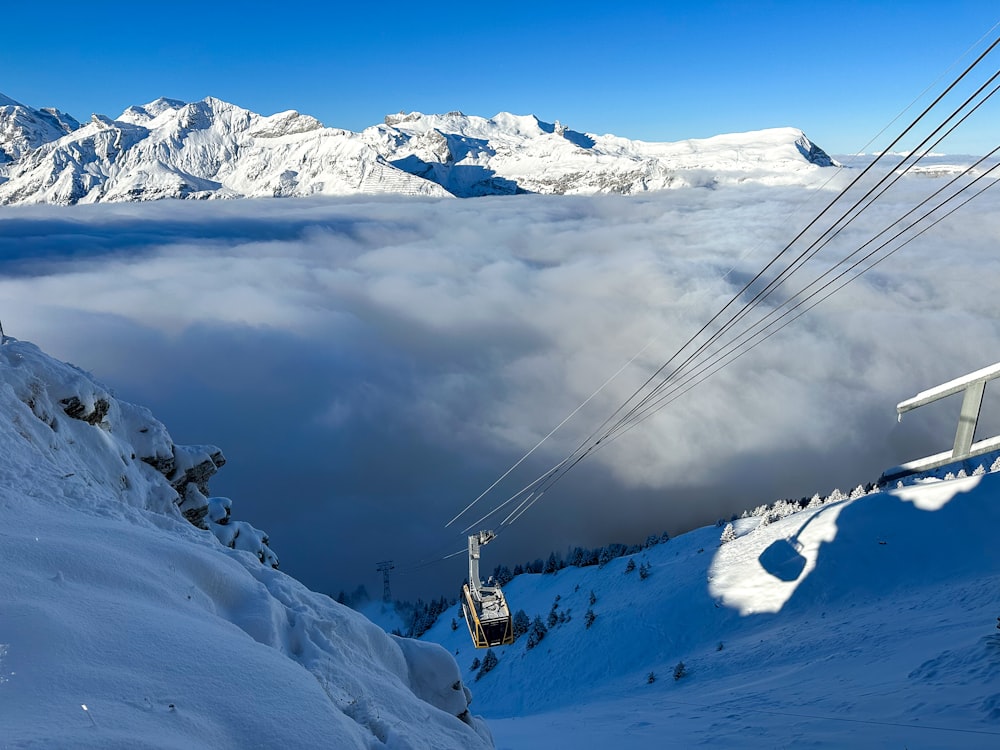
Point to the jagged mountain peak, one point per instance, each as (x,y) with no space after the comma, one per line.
(211,148)
(145,113)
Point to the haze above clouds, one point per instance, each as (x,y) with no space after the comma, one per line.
(370,366)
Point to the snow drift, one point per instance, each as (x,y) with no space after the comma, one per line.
(128,623)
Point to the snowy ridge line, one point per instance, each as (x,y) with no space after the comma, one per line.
(213,149)
(118,598)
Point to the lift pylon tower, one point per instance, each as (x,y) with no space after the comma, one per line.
(384,567)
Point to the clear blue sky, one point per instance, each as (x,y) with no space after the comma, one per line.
(650,70)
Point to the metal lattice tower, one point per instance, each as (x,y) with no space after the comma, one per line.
(384,567)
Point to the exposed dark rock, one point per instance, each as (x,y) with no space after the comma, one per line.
(193,506)
(76,409)
(164,465)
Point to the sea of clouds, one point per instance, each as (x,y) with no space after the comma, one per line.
(369,366)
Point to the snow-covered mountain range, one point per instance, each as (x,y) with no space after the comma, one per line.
(213,149)
(127,623)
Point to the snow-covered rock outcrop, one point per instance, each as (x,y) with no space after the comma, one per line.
(213,149)
(127,624)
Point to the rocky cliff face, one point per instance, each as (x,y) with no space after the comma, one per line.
(142,441)
(213,149)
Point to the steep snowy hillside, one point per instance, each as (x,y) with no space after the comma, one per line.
(868,623)
(212,149)
(126,623)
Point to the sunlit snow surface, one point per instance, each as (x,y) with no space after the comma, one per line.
(124,626)
(214,149)
(885,636)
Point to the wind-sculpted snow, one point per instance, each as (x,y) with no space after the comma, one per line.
(127,625)
(213,149)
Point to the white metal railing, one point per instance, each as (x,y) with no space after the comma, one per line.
(974,385)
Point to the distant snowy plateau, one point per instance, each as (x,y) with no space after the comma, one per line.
(213,149)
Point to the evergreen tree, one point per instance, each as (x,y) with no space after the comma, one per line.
(605,556)
(475,664)
(553,618)
(588,618)
(552,564)
(680,670)
(521,623)
(631,566)
(644,571)
(489,661)
(728,534)
(650,678)
(593,598)
(537,632)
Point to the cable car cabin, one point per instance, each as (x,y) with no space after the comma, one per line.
(485,608)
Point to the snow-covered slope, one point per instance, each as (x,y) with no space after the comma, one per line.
(213,149)
(867,623)
(125,625)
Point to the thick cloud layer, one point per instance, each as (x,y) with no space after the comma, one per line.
(369,367)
